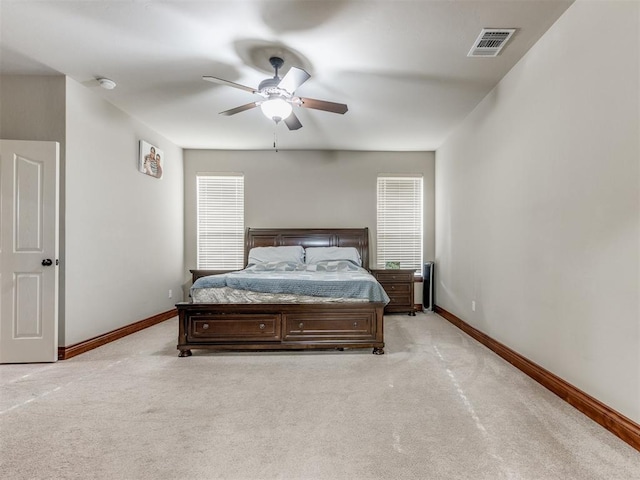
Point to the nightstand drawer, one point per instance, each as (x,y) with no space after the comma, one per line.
(390,277)
(396,288)
(403,299)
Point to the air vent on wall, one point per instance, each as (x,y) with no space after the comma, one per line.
(490,42)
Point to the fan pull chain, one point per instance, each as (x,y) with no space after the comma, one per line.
(275,142)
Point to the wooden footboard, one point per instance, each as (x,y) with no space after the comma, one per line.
(280,326)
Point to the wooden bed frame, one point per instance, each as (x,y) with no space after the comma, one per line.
(215,326)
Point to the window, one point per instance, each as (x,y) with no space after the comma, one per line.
(400,221)
(220,221)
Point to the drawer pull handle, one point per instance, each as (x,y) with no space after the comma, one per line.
(261,326)
(301,325)
(355,324)
(393,287)
(205,326)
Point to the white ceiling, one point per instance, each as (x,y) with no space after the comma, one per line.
(401,66)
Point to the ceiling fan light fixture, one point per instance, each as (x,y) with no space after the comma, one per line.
(276,109)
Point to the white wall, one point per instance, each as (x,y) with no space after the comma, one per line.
(334,189)
(124,229)
(538,206)
(33,108)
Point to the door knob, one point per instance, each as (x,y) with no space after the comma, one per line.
(47,262)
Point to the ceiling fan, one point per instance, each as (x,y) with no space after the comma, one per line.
(278,94)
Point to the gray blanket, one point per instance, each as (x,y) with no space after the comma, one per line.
(337,279)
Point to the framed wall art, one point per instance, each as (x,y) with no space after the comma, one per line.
(150,160)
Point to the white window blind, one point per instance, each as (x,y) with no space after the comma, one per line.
(220,221)
(400,221)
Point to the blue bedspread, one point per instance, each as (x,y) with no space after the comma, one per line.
(337,279)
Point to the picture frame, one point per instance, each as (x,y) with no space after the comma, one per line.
(150,160)
(392,265)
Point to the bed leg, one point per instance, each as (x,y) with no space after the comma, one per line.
(378,350)
(185,353)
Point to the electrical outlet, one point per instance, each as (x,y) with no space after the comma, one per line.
(473,305)
(170,293)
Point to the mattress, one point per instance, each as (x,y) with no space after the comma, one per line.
(232,295)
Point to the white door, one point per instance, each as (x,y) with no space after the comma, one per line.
(28,251)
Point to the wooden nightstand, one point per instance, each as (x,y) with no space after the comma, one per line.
(398,283)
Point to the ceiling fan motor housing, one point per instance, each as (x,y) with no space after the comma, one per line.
(269,87)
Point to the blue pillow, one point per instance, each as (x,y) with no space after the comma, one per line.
(321,254)
(276,254)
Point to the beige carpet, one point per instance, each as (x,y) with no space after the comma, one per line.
(437,405)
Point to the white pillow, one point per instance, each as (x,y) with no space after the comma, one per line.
(293,253)
(320,254)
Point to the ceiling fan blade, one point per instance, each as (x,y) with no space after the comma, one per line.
(239,109)
(323,105)
(293,79)
(230,84)
(292,122)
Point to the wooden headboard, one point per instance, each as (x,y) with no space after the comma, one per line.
(309,237)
